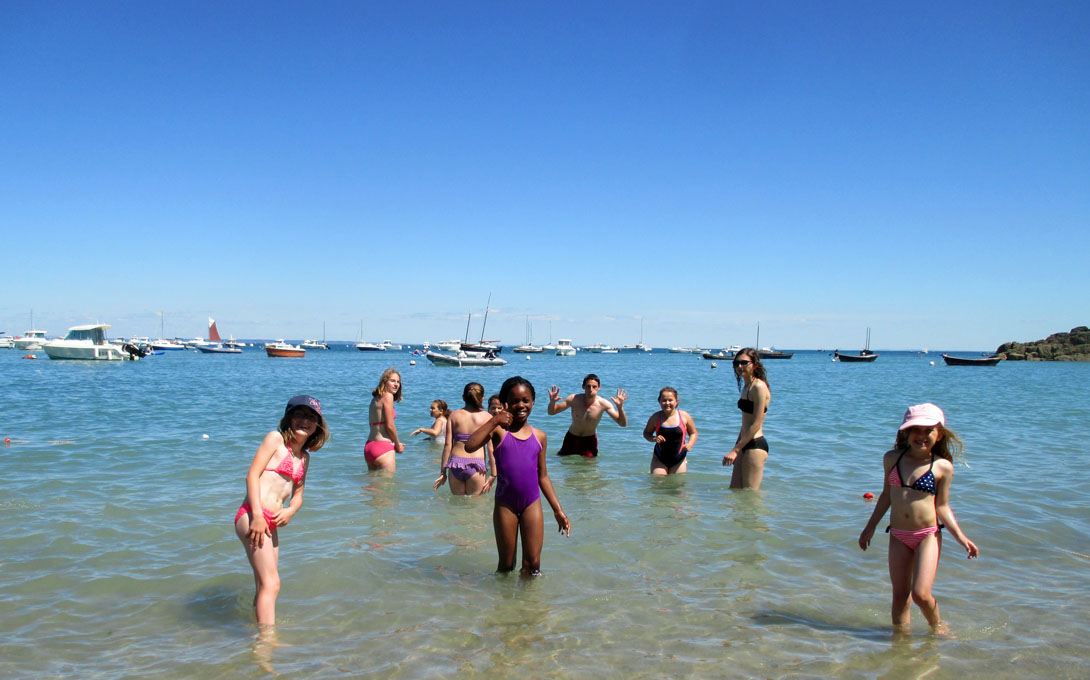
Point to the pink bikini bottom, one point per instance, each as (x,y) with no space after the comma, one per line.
(912,537)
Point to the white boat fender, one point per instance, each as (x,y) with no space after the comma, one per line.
(527,358)
(412,362)
(931,362)
(715,365)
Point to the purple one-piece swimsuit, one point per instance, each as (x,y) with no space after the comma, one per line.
(516,464)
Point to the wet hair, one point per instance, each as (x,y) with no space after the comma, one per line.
(949,446)
(473,395)
(666,389)
(758,367)
(381,389)
(591,376)
(442,406)
(316,440)
(512,383)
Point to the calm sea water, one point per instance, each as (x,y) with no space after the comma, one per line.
(118,558)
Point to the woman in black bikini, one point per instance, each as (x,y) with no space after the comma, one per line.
(750,450)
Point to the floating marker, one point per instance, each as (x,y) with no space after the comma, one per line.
(931,362)
(412,362)
(204,436)
(868,496)
(715,365)
(527,358)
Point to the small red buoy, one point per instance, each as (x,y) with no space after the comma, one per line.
(7,440)
(30,356)
(868,496)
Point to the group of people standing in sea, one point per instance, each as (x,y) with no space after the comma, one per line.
(497,447)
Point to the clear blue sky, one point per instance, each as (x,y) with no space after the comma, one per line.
(922,169)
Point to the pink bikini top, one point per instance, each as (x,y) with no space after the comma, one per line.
(287,469)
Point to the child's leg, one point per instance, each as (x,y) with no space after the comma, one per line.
(506,524)
(532,526)
(457,486)
(749,469)
(474,484)
(901,560)
(387,462)
(263,561)
(924,570)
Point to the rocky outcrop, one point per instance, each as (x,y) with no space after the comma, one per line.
(1072,346)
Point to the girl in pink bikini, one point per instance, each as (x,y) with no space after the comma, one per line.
(382,442)
(277,472)
(519,450)
(916,488)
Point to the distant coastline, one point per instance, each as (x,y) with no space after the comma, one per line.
(1071,346)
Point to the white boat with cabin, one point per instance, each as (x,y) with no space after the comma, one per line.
(464,359)
(31,340)
(564,348)
(87,342)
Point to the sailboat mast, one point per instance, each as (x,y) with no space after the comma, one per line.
(469,317)
(485,322)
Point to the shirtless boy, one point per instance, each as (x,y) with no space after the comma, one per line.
(586,412)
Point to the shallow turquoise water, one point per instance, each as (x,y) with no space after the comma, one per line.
(117,555)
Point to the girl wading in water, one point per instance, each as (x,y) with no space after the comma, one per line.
(751,449)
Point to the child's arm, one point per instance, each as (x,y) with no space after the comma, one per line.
(690,428)
(546,485)
(259,528)
(487,431)
(388,415)
(436,428)
(649,429)
(945,512)
(283,515)
(880,506)
(448,444)
(490,450)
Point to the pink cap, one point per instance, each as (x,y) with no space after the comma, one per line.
(923,415)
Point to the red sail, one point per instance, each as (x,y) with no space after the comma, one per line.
(213,334)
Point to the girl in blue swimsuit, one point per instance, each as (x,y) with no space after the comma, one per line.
(916,489)
(673,433)
(519,450)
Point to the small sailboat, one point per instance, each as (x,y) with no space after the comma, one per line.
(864,356)
(215,342)
(529,347)
(315,344)
(483,346)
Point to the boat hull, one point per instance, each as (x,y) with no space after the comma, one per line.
(856,358)
(285,353)
(962,361)
(57,350)
(447,360)
(218,350)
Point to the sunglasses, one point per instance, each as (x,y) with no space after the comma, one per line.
(742,362)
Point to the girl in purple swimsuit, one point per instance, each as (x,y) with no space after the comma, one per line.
(519,450)
(467,473)
(278,471)
(916,477)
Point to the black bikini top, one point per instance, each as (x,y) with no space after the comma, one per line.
(746,406)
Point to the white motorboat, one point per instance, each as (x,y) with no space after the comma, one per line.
(6,342)
(166,345)
(392,346)
(464,359)
(449,345)
(686,350)
(596,348)
(564,348)
(232,343)
(314,344)
(31,340)
(609,350)
(218,348)
(370,347)
(86,342)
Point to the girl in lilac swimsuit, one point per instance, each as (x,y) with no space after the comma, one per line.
(277,472)
(519,450)
(916,490)
(467,474)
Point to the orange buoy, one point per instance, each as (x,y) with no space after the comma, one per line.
(868,496)
(30,356)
